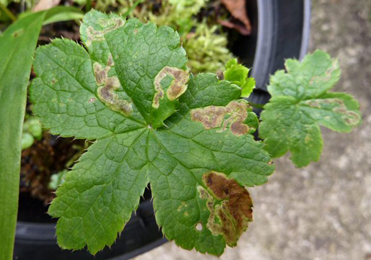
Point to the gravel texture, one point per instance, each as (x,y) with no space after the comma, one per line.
(322,212)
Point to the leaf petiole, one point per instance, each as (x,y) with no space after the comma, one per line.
(130,10)
(256,105)
(8,12)
(88,6)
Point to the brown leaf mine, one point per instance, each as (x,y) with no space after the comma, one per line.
(232,115)
(230,206)
(328,74)
(350,118)
(177,87)
(107,92)
(109,25)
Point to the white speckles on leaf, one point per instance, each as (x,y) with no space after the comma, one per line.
(199,227)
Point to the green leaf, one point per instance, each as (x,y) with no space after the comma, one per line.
(5,13)
(239,75)
(188,7)
(32,126)
(26,141)
(153,123)
(57,179)
(300,103)
(17,45)
(58,14)
(62,13)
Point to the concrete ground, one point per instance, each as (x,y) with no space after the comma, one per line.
(322,212)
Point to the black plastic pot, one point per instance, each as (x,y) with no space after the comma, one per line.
(280,31)
(35,235)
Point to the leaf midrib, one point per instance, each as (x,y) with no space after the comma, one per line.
(185,167)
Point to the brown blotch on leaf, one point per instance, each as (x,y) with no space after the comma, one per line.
(107,92)
(110,62)
(177,87)
(232,115)
(199,227)
(328,74)
(350,118)
(235,210)
(110,25)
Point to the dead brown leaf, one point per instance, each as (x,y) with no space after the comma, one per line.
(237,8)
(45,5)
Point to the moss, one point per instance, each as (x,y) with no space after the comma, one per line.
(205,42)
(207,49)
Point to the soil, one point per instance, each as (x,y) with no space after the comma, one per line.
(48,156)
(51,154)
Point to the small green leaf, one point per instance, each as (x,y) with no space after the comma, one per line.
(26,141)
(239,75)
(33,126)
(300,103)
(153,122)
(188,6)
(57,179)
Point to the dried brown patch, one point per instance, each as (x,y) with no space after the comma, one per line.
(237,8)
(107,92)
(350,118)
(177,87)
(47,156)
(234,212)
(232,115)
(110,25)
(328,74)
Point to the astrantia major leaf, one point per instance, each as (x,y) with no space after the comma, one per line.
(131,92)
(300,103)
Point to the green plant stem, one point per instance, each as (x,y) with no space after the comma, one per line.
(256,105)
(7,12)
(128,12)
(88,5)
(74,158)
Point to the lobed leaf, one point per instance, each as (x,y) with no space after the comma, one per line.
(188,136)
(239,75)
(300,103)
